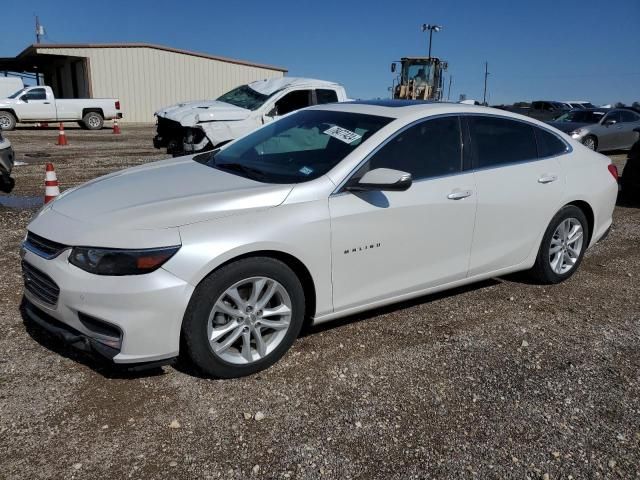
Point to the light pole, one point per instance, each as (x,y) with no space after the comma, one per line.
(431,28)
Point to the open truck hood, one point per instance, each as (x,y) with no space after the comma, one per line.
(190,113)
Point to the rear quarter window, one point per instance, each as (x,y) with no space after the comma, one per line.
(549,145)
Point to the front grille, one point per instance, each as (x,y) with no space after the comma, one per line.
(42,247)
(40,285)
(168,128)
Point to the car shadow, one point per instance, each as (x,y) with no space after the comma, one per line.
(183,365)
(53,344)
(310,329)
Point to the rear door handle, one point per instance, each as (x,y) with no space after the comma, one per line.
(47,103)
(547,178)
(459,194)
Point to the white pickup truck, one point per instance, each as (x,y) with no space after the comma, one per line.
(37,104)
(202,125)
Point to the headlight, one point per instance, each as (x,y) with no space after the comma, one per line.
(577,131)
(104,261)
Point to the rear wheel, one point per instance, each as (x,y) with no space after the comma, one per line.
(562,247)
(93,121)
(590,142)
(7,121)
(244,317)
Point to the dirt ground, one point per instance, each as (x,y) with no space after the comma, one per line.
(503,379)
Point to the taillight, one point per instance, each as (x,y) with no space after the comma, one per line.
(117,104)
(613,170)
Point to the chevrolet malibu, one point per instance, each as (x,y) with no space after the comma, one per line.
(326,212)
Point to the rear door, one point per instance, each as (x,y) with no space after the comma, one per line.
(386,244)
(609,134)
(629,122)
(37,106)
(518,192)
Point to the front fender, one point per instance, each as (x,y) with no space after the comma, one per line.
(208,245)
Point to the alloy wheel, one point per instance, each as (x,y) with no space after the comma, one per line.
(590,143)
(566,245)
(249,320)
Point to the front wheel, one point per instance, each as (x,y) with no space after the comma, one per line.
(243,317)
(7,121)
(562,247)
(590,142)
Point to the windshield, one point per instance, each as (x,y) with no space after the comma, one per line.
(18,93)
(244,97)
(421,73)
(581,116)
(297,148)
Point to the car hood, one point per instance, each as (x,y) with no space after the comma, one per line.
(568,127)
(191,113)
(166,194)
(5,102)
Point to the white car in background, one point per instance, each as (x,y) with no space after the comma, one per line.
(38,104)
(202,125)
(327,212)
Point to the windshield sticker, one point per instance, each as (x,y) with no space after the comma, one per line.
(342,134)
(306,170)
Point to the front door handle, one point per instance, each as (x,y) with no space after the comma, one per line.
(459,194)
(547,178)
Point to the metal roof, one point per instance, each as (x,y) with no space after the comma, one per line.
(25,60)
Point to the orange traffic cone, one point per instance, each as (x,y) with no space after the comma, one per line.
(116,127)
(62,138)
(51,187)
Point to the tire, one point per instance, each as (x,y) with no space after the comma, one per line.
(93,121)
(545,270)
(204,319)
(7,121)
(6,183)
(590,142)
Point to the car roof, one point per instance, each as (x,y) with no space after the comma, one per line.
(269,86)
(414,108)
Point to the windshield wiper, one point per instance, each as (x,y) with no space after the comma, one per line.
(238,167)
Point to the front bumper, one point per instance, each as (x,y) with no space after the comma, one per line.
(147,310)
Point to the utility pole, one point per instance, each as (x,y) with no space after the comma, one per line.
(486,74)
(449,91)
(39,30)
(431,28)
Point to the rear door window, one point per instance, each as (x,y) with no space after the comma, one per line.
(293,101)
(326,96)
(499,141)
(628,116)
(549,145)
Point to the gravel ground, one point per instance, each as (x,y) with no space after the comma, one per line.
(502,379)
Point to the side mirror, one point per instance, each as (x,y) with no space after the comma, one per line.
(25,99)
(610,121)
(393,67)
(273,112)
(382,179)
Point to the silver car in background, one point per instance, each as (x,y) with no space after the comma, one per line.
(601,129)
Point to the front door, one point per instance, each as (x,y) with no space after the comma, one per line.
(37,106)
(385,244)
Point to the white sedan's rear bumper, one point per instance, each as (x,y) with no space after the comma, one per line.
(146,309)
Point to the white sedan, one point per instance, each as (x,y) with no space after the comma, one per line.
(329,211)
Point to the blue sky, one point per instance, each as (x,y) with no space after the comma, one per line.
(552,49)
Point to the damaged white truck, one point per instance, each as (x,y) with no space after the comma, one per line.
(193,127)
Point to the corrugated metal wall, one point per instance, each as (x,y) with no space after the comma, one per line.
(147,79)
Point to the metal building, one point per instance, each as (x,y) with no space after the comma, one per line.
(144,77)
